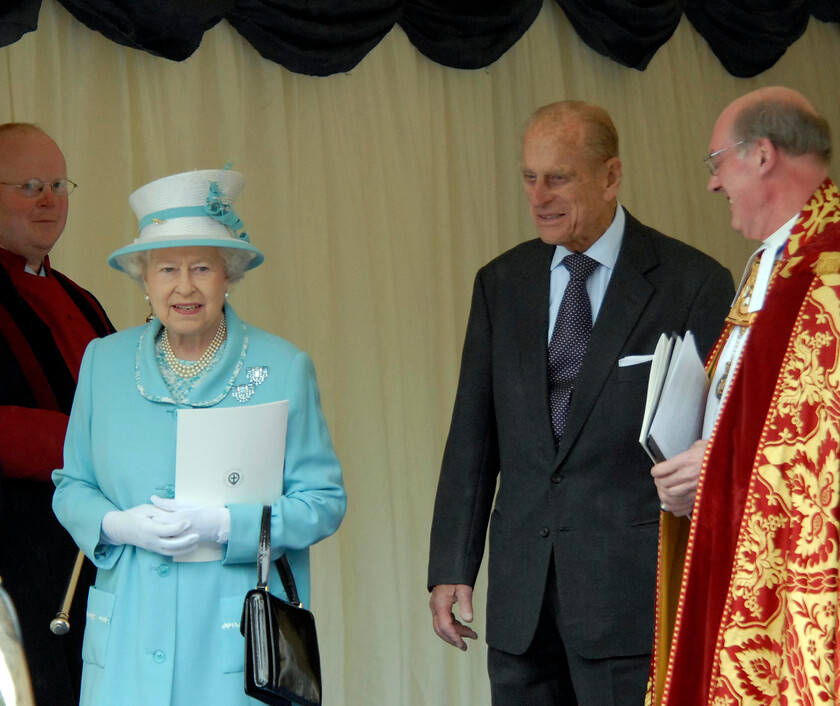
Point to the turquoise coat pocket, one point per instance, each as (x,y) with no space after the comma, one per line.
(100,609)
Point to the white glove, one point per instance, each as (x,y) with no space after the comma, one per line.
(212,524)
(145,526)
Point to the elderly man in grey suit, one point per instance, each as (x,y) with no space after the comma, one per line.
(549,407)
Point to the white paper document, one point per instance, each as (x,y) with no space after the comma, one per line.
(656,379)
(677,391)
(227,455)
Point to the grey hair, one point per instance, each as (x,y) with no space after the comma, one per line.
(600,141)
(234,260)
(790,127)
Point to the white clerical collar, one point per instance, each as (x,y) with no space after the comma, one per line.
(40,273)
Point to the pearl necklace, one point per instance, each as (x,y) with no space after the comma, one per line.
(189,370)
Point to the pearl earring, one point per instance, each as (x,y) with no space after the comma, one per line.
(151,315)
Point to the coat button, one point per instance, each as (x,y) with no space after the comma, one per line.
(164,569)
(556,477)
(159,656)
(544,532)
(169,491)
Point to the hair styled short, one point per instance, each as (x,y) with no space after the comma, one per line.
(601,141)
(235,262)
(790,127)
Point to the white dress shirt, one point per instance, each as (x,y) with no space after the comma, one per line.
(605,252)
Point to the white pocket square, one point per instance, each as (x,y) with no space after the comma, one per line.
(634,360)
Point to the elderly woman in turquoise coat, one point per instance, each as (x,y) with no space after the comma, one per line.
(161,630)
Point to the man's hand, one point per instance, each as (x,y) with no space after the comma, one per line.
(448,629)
(676,479)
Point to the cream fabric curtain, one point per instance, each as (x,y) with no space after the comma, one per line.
(375,196)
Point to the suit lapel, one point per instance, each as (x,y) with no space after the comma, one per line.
(624,302)
(532,339)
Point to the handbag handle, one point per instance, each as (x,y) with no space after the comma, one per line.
(264,557)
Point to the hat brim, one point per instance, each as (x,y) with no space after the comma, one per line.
(115,259)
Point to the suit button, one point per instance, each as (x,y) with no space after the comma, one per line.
(556,477)
(544,532)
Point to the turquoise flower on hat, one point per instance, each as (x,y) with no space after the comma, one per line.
(223,212)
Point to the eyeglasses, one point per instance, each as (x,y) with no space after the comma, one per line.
(709,159)
(35,187)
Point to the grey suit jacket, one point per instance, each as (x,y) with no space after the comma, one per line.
(591,501)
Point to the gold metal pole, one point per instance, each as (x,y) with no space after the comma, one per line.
(60,624)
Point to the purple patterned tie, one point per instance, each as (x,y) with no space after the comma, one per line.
(569,339)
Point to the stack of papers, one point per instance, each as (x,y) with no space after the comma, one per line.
(676,398)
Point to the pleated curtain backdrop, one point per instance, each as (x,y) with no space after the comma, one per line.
(375,195)
(332,36)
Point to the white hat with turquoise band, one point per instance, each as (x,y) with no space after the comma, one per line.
(192,209)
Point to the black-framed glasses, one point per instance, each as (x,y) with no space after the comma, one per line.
(709,159)
(34,187)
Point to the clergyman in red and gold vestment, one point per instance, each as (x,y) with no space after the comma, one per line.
(747,588)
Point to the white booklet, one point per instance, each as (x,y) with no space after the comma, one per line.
(676,401)
(656,380)
(227,455)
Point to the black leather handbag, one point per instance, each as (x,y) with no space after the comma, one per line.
(282,662)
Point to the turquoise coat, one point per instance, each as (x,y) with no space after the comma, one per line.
(161,632)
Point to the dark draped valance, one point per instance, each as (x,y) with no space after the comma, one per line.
(323,37)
